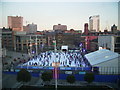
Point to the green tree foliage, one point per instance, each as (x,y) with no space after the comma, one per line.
(70,78)
(46,76)
(23,75)
(89,77)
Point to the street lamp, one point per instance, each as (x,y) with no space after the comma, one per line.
(30,50)
(36,46)
(56,64)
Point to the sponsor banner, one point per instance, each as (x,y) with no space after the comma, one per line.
(82,72)
(68,72)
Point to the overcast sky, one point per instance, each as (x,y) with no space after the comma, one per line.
(73,14)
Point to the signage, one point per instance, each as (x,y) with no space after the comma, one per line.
(68,72)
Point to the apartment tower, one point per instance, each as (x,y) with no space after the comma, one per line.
(15,22)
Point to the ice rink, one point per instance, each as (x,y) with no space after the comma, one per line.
(66,59)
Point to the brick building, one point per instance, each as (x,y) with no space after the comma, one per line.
(15,23)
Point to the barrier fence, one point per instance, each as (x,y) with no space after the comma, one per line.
(59,68)
(100,70)
(109,70)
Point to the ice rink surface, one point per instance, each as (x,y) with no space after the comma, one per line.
(66,59)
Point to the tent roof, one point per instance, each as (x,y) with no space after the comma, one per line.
(101,56)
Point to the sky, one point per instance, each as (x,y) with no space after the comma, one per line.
(73,14)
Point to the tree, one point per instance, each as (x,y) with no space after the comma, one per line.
(89,77)
(70,78)
(23,75)
(46,76)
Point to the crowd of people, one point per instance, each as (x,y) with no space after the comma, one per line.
(65,59)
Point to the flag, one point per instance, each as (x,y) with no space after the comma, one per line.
(54,42)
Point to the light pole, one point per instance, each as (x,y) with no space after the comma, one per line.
(30,46)
(54,43)
(55,72)
(55,67)
(36,46)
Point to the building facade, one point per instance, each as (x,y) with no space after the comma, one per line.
(68,39)
(71,40)
(86,29)
(49,38)
(0,59)
(59,27)
(89,42)
(0,41)
(94,23)
(30,28)
(7,39)
(109,42)
(114,29)
(119,15)
(15,23)
(31,44)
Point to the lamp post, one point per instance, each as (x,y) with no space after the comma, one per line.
(56,75)
(36,46)
(55,72)
(30,46)
(54,43)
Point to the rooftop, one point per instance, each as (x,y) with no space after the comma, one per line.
(101,56)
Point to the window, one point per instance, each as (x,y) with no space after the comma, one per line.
(117,45)
(118,40)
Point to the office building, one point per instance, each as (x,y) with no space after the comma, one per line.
(30,28)
(69,39)
(30,43)
(1,43)
(119,15)
(94,23)
(0,40)
(7,39)
(109,42)
(89,42)
(59,27)
(15,23)
(0,60)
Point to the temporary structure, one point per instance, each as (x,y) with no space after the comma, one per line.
(107,61)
